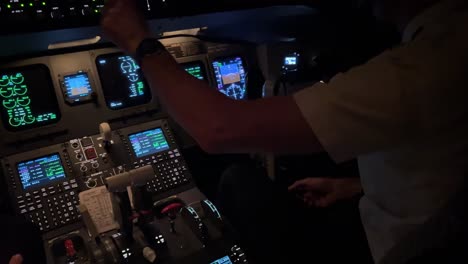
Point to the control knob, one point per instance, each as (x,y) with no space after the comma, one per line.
(91,183)
(56,13)
(40,14)
(86,10)
(72,11)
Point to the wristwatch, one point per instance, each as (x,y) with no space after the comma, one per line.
(148,46)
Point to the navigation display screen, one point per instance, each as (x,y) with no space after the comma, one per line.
(77,87)
(122,81)
(231,77)
(148,142)
(28,98)
(195,69)
(224,260)
(40,171)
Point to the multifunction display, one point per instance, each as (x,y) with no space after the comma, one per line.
(122,81)
(40,171)
(148,142)
(28,98)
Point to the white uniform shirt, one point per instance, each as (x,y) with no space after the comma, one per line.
(404,115)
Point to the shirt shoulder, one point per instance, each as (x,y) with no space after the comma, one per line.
(412,90)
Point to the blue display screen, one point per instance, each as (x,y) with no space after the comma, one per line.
(77,86)
(223,260)
(290,61)
(40,171)
(148,142)
(231,77)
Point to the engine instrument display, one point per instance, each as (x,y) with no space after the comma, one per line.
(40,171)
(28,98)
(148,142)
(122,81)
(231,77)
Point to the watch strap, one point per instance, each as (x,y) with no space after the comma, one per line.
(148,46)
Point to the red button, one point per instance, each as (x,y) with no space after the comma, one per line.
(90,153)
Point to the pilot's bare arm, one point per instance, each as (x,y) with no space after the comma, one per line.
(220,124)
(217,123)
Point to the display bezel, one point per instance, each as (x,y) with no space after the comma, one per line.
(169,147)
(83,99)
(196,63)
(99,57)
(50,88)
(37,186)
(227,57)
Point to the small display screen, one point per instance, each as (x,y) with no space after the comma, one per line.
(148,142)
(231,77)
(28,98)
(40,171)
(195,69)
(224,260)
(77,87)
(290,61)
(122,81)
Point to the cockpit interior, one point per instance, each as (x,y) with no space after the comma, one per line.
(95,170)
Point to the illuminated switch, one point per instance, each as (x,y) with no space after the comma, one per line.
(90,153)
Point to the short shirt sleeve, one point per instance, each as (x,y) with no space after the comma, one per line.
(362,111)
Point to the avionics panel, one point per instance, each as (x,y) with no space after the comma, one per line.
(154,144)
(230,77)
(40,171)
(122,81)
(28,98)
(195,69)
(42,186)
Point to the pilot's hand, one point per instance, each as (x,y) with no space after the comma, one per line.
(124,24)
(16,259)
(323,192)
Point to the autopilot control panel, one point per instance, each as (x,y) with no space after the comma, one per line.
(39,15)
(92,161)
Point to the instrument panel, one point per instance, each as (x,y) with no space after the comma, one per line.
(42,95)
(46,187)
(37,15)
(53,150)
(47,180)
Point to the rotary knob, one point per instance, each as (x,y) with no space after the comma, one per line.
(91,183)
(56,13)
(86,11)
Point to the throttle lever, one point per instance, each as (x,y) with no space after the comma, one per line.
(171,211)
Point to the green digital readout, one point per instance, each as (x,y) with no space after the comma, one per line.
(195,69)
(28,98)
